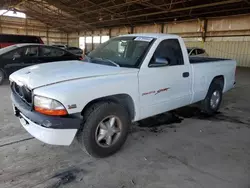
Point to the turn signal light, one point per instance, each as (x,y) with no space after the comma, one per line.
(51,112)
(49,106)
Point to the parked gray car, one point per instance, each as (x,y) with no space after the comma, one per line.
(75,50)
(63,46)
(197,52)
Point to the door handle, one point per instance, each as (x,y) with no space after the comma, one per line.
(185,74)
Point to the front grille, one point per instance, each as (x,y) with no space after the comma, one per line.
(23,92)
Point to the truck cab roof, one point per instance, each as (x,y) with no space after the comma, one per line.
(153,35)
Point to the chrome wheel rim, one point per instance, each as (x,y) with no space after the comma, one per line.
(108,131)
(215,99)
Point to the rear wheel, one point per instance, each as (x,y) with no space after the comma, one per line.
(212,102)
(1,77)
(105,129)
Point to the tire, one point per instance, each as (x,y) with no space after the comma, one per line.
(2,76)
(208,107)
(87,136)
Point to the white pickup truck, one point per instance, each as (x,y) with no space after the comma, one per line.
(126,79)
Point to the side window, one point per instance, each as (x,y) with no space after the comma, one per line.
(193,52)
(31,51)
(200,51)
(15,54)
(25,52)
(170,49)
(73,48)
(52,52)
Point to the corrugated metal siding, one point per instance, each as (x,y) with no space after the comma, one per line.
(229,23)
(238,50)
(120,31)
(156,28)
(183,27)
(73,39)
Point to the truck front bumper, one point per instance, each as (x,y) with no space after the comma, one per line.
(48,135)
(48,129)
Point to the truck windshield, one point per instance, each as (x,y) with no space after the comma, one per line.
(121,51)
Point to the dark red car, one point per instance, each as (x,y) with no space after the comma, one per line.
(8,40)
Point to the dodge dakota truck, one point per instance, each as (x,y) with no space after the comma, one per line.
(125,79)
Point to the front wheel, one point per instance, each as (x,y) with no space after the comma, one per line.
(212,102)
(105,129)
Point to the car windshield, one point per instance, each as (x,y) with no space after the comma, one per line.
(121,51)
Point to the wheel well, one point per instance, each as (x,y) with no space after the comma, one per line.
(219,80)
(122,99)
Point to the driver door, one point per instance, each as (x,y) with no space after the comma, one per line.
(165,87)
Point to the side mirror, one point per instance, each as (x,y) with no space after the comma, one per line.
(159,62)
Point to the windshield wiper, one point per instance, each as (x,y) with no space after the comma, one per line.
(102,59)
(112,62)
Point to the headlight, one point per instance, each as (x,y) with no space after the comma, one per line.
(49,106)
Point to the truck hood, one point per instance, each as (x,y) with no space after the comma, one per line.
(51,73)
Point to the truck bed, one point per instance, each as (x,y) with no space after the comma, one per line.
(195,60)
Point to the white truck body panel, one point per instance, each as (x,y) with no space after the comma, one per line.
(49,136)
(204,73)
(152,79)
(152,90)
(51,73)
(89,89)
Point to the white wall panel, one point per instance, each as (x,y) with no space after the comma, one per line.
(120,31)
(154,28)
(238,50)
(104,32)
(183,27)
(229,23)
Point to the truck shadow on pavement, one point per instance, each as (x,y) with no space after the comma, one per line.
(170,119)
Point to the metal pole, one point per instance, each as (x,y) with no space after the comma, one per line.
(67,35)
(204,32)
(47,35)
(26,26)
(0,24)
(85,44)
(92,40)
(162,27)
(110,32)
(132,30)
